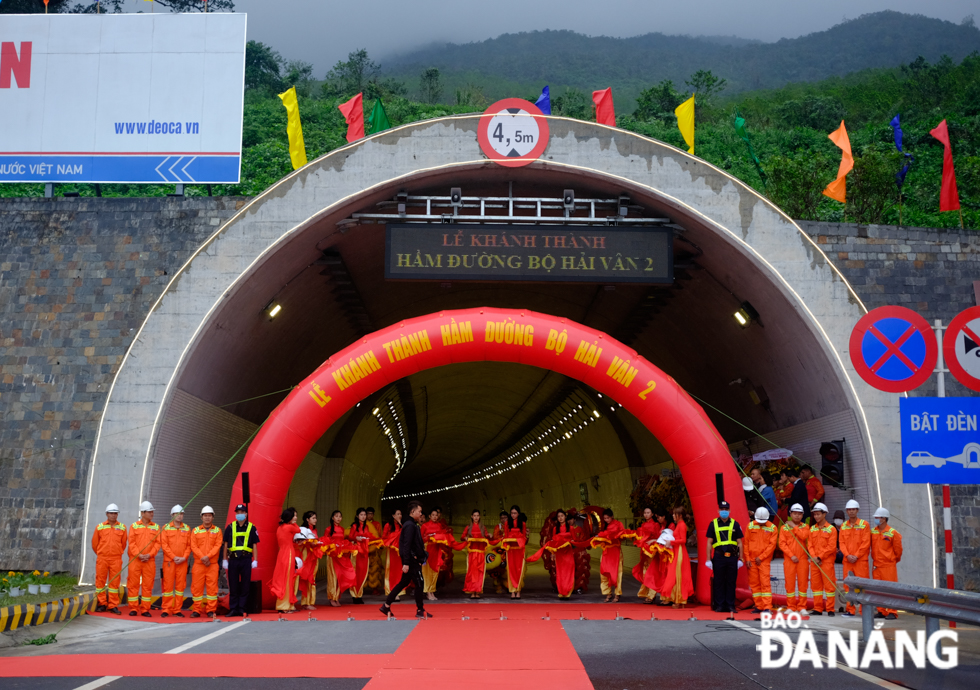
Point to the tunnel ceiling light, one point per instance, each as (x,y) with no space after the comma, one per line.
(745,315)
(273,309)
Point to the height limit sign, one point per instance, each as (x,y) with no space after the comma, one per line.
(513,132)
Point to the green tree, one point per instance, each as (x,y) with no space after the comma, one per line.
(572,103)
(349,78)
(796,184)
(299,74)
(822,113)
(385,88)
(430,88)
(706,86)
(871,188)
(198,5)
(658,101)
(471,95)
(263,68)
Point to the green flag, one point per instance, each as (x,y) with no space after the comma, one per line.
(739,123)
(378,119)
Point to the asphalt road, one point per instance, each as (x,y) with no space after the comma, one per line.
(617,655)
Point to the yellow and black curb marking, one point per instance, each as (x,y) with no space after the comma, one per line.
(25,615)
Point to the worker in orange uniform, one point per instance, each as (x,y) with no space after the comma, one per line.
(175,540)
(760,542)
(855,544)
(109,544)
(886,552)
(814,488)
(206,542)
(823,552)
(794,539)
(144,542)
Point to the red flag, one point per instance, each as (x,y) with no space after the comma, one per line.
(605,113)
(949,198)
(353,111)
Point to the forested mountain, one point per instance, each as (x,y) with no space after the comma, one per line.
(524,62)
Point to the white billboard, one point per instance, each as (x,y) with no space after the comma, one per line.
(153,98)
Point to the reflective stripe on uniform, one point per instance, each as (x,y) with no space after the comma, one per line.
(234,538)
(166,594)
(730,527)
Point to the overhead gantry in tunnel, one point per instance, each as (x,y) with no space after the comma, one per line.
(231,363)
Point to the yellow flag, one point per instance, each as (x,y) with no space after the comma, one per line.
(685,122)
(297,149)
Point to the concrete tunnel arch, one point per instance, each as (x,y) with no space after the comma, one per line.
(469,335)
(229,277)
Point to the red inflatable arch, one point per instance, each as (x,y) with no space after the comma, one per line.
(485,334)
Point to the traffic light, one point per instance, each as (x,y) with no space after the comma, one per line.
(832,467)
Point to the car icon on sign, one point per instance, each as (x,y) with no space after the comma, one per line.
(921,457)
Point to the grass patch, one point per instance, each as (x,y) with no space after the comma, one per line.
(62,586)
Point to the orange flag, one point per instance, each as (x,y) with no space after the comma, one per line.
(605,113)
(837,188)
(353,111)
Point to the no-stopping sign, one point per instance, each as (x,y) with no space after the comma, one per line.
(893,349)
(513,132)
(961,347)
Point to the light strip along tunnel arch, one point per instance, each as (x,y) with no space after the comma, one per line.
(486,334)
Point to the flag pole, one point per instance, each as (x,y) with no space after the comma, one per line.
(899,207)
(961,218)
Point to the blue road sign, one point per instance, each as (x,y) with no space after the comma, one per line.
(940,440)
(893,349)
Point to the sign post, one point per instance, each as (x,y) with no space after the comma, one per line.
(947,513)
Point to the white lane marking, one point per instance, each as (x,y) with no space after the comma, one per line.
(874,680)
(98,683)
(176,650)
(206,638)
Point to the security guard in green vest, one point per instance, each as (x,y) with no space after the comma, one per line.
(725,546)
(240,557)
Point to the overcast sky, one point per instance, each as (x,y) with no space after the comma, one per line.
(325,31)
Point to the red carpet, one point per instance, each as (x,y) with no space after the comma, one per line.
(452,654)
(476,611)
(190,665)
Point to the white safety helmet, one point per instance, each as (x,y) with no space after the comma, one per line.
(146,505)
(207,509)
(177,509)
(882,512)
(820,506)
(797,508)
(761,516)
(112,508)
(304,533)
(666,537)
(747,484)
(852,504)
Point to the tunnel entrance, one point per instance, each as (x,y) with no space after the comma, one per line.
(208,366)
(485,334)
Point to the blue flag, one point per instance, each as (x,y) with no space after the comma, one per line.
(544,101)
(897,128)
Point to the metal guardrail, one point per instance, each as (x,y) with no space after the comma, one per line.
(934,604)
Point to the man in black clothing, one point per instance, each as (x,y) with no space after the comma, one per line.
(240,557)
(412,552)
(725,546)
(799,494)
